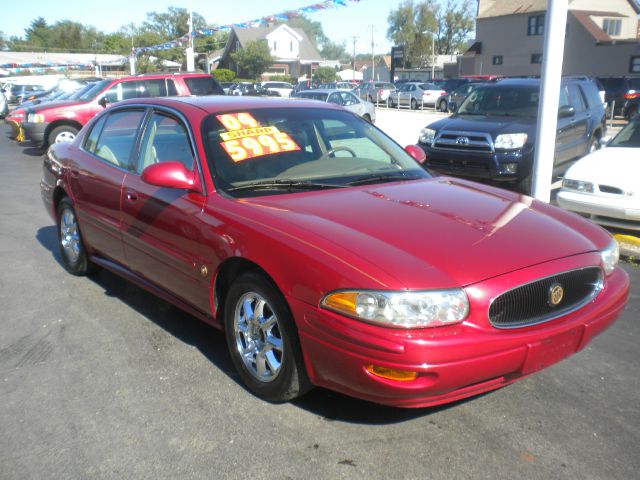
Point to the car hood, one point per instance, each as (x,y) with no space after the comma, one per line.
(486,124)
(613,166)
(434,233)
(60,103)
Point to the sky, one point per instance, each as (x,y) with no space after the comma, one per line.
(339,23)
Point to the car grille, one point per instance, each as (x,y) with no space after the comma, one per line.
(530,304)
(464,141)
(455,165)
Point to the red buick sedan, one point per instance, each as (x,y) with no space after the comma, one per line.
(325,252)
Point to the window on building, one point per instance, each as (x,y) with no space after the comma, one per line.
(497,59)
(536,25)
(536,58)
(612,26)
(291,46)
(635,65)
(275,45)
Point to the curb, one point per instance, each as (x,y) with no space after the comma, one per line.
(629,245)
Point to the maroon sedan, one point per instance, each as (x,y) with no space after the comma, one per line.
(325,252)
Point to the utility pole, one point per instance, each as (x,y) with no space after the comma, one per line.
(373,58)
(353,62)
(189,52)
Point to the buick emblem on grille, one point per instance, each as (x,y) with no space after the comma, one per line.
(462,140)
(556,292)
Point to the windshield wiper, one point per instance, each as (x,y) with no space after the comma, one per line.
(389,177)
(285,184)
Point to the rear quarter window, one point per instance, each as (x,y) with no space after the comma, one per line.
(591,93)
(203,86)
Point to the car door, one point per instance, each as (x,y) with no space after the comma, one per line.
(96,180)
(161,227)
(565,131)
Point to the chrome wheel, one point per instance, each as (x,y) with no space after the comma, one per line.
(69,236)
(258,338)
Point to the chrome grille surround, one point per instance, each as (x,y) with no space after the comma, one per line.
(454,140)
(509,309)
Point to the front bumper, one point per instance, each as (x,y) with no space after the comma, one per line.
(35,132)
(479,165)
(610,211)
(452,362)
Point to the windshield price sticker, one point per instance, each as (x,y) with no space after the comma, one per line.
(246,139)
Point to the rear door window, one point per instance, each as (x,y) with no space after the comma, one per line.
(118,137)
(166,139)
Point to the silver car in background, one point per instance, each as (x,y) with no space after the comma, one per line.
(415,95)
(345,98)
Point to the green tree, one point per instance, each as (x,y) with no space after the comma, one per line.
(223,74)
(325,74)
(38,33)
(253,59)
(3,41)
(455,23)
(409,26)
(334,51)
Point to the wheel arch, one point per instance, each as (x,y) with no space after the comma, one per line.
(228,271)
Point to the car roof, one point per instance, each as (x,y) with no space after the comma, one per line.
(224,103)
(326,90)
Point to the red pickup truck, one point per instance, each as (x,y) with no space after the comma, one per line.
(61,121)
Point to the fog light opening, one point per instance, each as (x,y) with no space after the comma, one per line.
(392,374)
(511,168)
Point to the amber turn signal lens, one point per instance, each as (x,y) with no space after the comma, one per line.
(391,374)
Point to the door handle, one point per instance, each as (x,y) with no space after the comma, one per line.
(132,196)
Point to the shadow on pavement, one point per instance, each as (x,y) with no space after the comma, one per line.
(332,406)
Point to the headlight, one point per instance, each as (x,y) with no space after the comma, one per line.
(35,118)
(577,185)
(422,309)
(511,140)
(610,256)
(427,135)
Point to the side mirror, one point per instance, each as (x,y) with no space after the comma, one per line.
(452,106)
(566,111)
(103,102)
(416,153)
(169,175)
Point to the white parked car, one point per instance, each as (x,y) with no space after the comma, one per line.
(283,89)
(605,185)
(415,95)
(344,98)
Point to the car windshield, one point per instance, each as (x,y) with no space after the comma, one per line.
(271,151)
(628,137)
(504,100)
(91,93)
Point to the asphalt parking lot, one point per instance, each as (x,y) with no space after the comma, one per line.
(99,379)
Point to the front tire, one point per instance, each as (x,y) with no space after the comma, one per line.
(70,245)
(414,104)
(442,106)
(63,133)
(263,341)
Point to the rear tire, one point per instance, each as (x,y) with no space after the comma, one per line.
(263,341)
(633,112)
(367,117)
(414,104)
(70,244)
